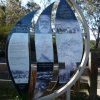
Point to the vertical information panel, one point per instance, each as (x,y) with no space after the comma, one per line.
(45,59)
(68,40)
(18,57)
(44,52)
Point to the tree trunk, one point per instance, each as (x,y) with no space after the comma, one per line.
(93,78)
(98,38)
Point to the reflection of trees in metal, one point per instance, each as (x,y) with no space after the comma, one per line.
(45,75)
(20,76)
(42,82)
(67,47)
(63,76)
(22,28)
(67,26)
(44,58)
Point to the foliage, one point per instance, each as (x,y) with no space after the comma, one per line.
(92,44)
(2,14)
(14,11)
(32,6)
(91,11)
(4,30)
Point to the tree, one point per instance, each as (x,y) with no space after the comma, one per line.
(91,11)
(2,15)
(2,12)
(32,6)
(14,11)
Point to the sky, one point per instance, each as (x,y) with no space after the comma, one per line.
(24,2)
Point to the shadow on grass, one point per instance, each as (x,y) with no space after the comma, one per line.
(8,91)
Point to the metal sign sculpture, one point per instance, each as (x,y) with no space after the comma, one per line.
(52,57)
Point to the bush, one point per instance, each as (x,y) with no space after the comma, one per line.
(4,31)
